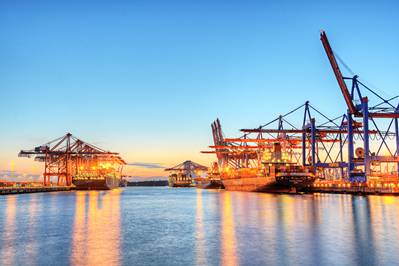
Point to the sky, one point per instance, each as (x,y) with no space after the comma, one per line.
(147,78)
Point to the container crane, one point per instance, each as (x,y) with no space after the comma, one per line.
(66,156)
(359,169)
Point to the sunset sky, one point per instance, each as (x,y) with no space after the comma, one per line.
(147,78)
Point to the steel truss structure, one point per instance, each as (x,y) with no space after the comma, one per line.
(377,150)
(67,156)
(356,146)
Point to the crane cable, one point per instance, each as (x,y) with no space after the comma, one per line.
(374,88)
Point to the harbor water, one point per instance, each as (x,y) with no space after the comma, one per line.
(188,226)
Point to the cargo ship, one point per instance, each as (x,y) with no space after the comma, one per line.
(180,180)
(105,173)
(212,180)
(185,174)
(276,173)
(96,182)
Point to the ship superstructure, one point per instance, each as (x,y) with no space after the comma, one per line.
(184,174)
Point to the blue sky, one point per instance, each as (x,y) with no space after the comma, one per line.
(147,78)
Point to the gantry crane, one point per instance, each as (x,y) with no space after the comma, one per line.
(67,156)
(359,116)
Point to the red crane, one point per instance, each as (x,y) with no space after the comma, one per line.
(66,156)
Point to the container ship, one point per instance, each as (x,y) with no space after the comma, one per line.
(180,180)
(212,180)
(96,182)
(99,175)
(185,174)
(276,173)
(271,165)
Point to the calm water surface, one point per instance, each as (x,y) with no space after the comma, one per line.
(164,226)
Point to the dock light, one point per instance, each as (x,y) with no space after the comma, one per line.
(81,167)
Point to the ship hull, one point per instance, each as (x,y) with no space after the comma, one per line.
(210,185)
(255,184)
(97,184)
(180,181)
(296,180)
(180,185)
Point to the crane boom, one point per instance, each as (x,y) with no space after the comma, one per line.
(337,72)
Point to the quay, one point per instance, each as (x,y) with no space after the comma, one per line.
(23,190)
(354,188)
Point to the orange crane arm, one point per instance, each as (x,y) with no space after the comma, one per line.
(337,72)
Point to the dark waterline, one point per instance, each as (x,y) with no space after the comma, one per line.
(164,226)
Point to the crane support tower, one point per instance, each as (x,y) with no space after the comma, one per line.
(68,156)
(366,161)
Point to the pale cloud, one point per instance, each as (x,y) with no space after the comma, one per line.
(147,165)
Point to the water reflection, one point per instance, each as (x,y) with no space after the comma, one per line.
(306,229)
(186,227)
(9,229)
(32,247)
(363,231)
(96,233)
(228,237)
(200,233)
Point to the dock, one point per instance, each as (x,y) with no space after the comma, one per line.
(23,190)
(354,188)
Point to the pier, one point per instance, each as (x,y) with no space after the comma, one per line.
(23,190)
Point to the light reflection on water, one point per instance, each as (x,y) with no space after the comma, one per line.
(227,236)
(96,231)
(8,231)
(164,226)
